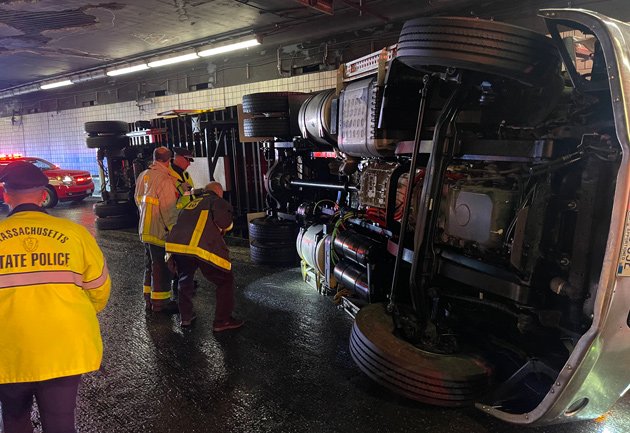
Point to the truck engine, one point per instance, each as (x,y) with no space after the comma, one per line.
(453,194)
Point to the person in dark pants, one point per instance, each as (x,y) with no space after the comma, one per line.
(156,198)
(182,158)
(53,282)
(196,241)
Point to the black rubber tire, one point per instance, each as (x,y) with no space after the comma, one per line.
(116,222)
(441,380)
(268,229)
(267,102)
(273,253)
(266,127)
(106,209)
(106,141)
(51,199)
(106,127)
(478,45)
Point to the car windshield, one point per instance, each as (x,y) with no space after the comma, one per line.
(41,164)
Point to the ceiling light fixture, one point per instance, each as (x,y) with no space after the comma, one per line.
(231,47)
(127,70)
(160,60)
(172,60)
(88,76)
(55,84)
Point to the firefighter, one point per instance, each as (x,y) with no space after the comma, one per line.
(196,241)
(182,158)
(156,198)
(53,282)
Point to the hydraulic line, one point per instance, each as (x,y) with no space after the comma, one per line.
(412,171)
(324,185)
(429,205)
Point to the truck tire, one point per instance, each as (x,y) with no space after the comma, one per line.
(106,127)
(273,253)
(441,380)
(106,209)
(266,127)
(116,222)
(272,230)
(267,102)
(478,45)
(105,141)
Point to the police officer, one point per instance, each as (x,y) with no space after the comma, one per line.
(182,158)
(53,282)
(156,198)
(196,241)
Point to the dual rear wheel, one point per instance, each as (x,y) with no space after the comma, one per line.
(272,241)
(111,140)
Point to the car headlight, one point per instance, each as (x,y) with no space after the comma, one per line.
(67,180)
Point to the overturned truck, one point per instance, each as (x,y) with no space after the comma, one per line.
(466,198)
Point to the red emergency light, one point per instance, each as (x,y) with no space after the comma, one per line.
(10,156)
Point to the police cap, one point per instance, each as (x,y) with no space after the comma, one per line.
(182,151)
(22,175)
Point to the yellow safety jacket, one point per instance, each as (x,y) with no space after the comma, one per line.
(199,231)
(156,198)
(184,185)
(53,281)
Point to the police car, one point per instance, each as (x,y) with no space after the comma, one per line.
(63,184)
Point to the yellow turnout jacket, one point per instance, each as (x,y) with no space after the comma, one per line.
(156,198)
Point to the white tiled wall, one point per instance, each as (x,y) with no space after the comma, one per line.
(59,136)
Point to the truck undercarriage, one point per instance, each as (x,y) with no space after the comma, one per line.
(456,193)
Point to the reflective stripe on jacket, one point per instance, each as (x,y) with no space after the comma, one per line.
(53,281)
(199,231)
(183,183)
(156,198)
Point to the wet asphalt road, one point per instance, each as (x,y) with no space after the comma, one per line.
(288,370)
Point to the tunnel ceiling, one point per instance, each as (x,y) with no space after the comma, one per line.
(45,39)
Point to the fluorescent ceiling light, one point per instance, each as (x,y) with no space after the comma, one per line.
(56,84)
(128,70)
(171,60)
(228,48)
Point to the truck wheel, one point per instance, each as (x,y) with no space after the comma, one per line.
(266,127)
(267,102)
(478,45)
(106,209)
(273,253)
(441,380)
(272,230)
(104,141)
(116,222)
(106,127)
(50,198)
